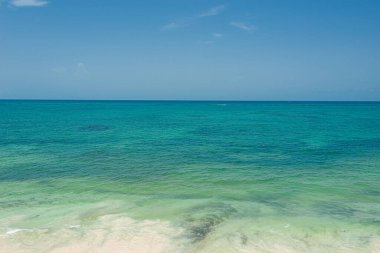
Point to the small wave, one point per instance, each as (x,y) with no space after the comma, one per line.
(16,230)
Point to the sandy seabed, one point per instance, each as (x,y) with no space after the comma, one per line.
(117,233)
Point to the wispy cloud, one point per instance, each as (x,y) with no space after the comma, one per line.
(206,42)
(28,3)
(174,25)
(81,70)
(77,70)
(184,22)
(58,70)
(244,26)
(217,35)
(214,11)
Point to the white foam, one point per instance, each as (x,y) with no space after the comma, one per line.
(74,226)
(16,230)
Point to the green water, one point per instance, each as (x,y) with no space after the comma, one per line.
(224,176)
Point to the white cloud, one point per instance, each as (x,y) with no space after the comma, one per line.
(213,11)
(28,3)
(243,26)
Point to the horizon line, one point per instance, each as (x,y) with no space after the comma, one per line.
(183,100)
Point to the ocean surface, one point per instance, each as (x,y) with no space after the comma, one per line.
(138,176)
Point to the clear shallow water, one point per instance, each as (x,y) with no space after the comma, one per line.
(189,177)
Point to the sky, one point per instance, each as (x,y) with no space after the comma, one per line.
(190,49)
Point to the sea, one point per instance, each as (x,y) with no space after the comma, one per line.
(189,176)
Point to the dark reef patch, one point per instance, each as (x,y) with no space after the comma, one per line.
(371,192)
(96,154)
(94,128)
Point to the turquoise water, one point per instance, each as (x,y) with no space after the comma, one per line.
(103,176)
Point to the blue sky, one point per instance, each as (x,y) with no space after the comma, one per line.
(198,49)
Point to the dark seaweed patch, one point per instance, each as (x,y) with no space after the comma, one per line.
(11,203)
(94,128)
(243,239)
(272,201)
(200,228)
(205,218)
(334,209)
